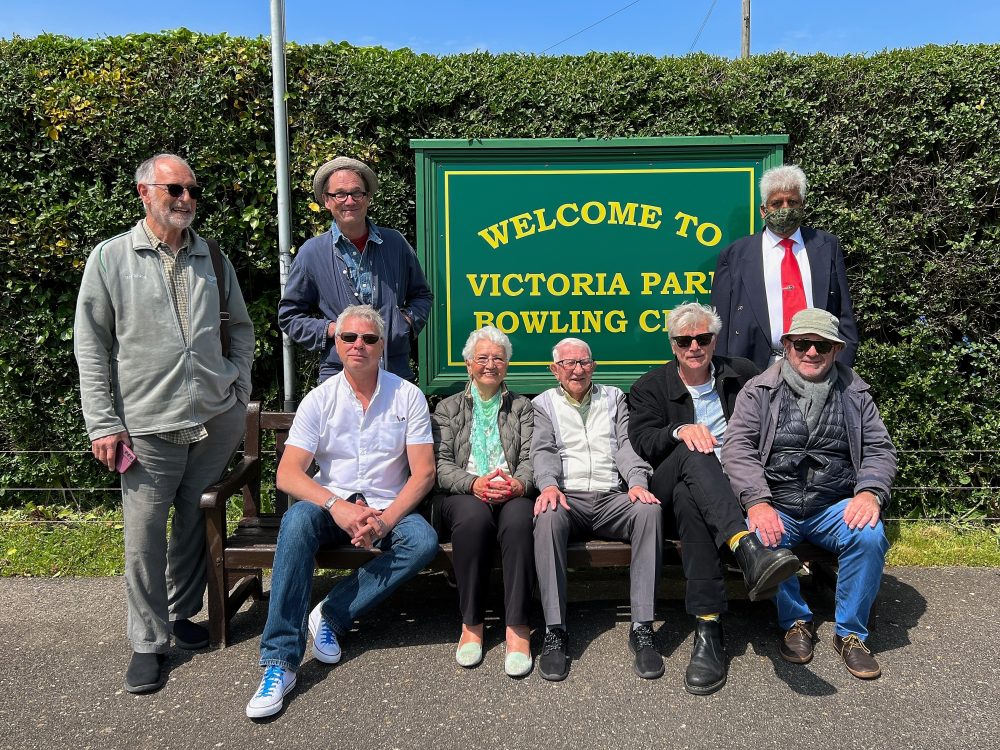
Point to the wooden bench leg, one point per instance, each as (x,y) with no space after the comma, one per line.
(215,534)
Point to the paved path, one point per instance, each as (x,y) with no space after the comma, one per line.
(936,632)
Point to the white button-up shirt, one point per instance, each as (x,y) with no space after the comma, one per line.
(358,450)
(773,255)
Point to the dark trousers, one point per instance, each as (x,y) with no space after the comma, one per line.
(707,514)
(476,528)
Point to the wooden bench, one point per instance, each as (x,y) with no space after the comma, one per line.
(235,562)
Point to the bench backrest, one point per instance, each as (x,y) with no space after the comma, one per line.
(257,423)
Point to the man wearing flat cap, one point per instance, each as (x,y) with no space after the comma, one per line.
(809,458)
(354,263)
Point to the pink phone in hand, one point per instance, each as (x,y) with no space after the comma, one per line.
(124,457)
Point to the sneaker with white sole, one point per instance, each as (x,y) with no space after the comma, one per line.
(271,692)
(325,646)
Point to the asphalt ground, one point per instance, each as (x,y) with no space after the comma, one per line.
(935,631)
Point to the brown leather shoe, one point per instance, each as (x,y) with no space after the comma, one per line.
(859,660)
(797,646)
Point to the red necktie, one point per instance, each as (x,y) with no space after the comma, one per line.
(793,296)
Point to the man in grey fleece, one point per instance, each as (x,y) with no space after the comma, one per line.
(593,483)
(154,377)
(809,458)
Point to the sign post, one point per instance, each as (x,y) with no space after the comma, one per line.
(596,239)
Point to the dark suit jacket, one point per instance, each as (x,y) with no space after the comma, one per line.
(738,294)
(659,403)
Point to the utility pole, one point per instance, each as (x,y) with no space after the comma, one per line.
(746,30)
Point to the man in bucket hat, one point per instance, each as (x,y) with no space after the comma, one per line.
(354,263)
(810,460)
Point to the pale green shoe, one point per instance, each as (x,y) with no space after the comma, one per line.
(517,664)
(469,655)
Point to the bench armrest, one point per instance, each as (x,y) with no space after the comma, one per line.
(245,473)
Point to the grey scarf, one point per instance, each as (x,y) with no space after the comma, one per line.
(810,396)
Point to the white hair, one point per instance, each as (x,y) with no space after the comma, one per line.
(570,342)
(366,313)
(780,179)
(690,314)
(144,172)
(486,333)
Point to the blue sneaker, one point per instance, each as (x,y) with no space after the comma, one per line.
(325,646)
(270,695)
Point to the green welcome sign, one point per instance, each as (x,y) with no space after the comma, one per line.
(595,239)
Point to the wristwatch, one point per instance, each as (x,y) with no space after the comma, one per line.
(329,503)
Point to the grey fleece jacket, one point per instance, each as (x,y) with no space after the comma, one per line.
(547,448)
(751,430)
(136,372)
(452,425)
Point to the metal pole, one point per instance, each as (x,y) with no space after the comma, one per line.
(746,30)
(281,173)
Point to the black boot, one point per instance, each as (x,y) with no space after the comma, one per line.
(708,668)
(764,568)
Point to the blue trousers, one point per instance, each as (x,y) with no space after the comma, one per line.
(406,550)
(861,557)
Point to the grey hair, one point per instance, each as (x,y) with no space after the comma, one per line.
(570,342)
(486,333)
(144,173)
(690,314)
(366,313)
(780,179)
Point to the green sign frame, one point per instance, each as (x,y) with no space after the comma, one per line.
(595,239)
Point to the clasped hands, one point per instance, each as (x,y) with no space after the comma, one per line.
(362,522)
(497,487)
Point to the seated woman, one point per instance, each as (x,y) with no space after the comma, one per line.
(482,439)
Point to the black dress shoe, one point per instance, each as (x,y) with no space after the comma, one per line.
(553,664)
(764,568)
(189,636)
(708,668)
(145,673)
(648,662)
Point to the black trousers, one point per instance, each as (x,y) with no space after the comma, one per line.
(707,514)
(476,529)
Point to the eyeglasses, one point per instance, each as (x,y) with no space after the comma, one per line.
(341,197)
(484,360)
(804,345)
(176,190)
(570,364)
(349,337)
(684,342)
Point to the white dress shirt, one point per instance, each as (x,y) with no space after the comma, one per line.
(358,450)
(773,254)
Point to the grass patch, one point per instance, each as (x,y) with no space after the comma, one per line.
(53,541)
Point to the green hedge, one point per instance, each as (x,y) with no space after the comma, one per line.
(900,147)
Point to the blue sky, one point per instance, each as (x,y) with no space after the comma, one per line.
(657,27)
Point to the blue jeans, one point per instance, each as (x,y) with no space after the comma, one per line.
(861,556)
(406,550)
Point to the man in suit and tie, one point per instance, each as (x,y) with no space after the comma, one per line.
(761,281)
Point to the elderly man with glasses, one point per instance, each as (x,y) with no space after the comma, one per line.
(164,345)
(591,482)
(678,419)
(354,263)
(762,280)
(369,433)
(810,460)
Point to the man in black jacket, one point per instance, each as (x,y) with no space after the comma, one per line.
(677,421)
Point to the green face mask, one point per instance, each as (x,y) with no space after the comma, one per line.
(784,221)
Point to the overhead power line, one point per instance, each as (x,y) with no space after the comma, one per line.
(595,23)
(702,27)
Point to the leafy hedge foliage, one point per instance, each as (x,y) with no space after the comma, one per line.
(900,147)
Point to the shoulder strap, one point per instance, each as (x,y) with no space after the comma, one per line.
(220,280)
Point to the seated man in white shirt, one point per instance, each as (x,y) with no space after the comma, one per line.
(369,432)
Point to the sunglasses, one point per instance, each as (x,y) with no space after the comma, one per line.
(684,342)
(176,191)
(804,345)
(349,337)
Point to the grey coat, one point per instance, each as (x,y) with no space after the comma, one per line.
(547,448)
(451,424)
(750,436)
